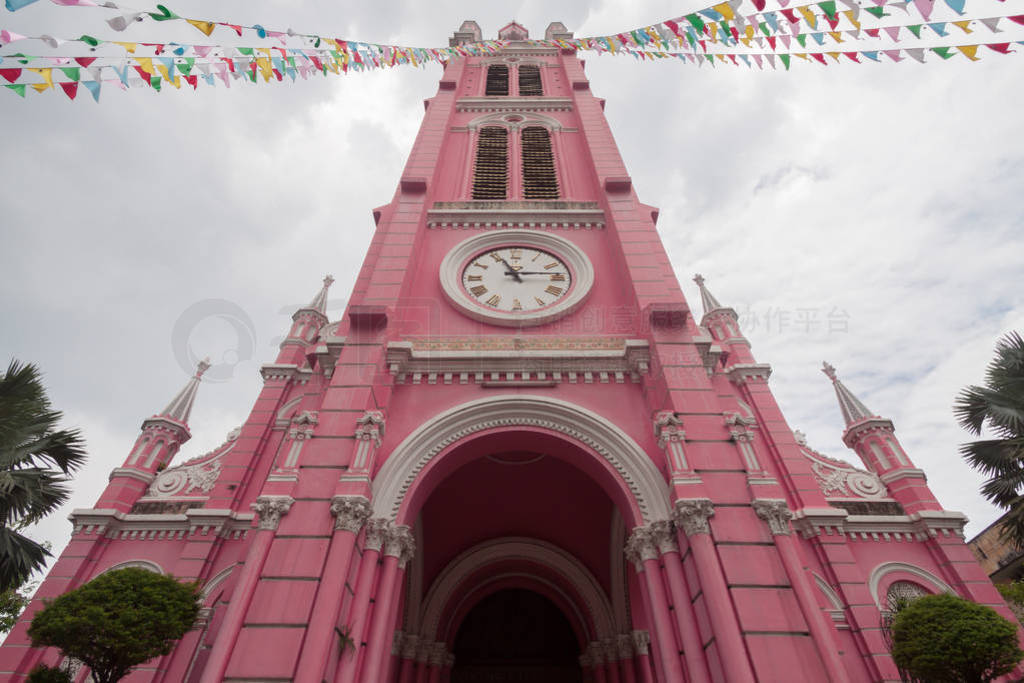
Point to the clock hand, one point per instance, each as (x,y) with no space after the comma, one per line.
(511,272)
(535,272)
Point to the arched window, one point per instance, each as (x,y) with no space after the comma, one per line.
(903,592)
(539,179)
(490,173)
(529,81)
(497,79)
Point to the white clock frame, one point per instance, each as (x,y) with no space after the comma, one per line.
(580,270)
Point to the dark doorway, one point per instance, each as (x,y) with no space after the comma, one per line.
(516,636)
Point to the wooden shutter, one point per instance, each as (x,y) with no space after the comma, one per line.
(490,174)
(539,179)
(497,80)
(529,81)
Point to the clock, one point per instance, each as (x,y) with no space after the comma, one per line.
(516,277)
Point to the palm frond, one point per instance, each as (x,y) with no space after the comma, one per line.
(19,557)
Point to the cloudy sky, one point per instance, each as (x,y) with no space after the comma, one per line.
(865,215)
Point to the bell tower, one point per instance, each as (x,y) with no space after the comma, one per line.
(520,455)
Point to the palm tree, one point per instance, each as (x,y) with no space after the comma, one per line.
(35,458)
(999,406)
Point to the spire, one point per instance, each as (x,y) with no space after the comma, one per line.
(707,299)
(180,406)
(853,409)
(319,302)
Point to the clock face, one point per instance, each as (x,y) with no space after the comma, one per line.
(516,279)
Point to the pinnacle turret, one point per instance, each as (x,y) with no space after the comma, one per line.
(853,409)
(180,406)
(319,302)
(707,299)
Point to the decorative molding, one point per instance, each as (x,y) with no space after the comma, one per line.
(858,431)
(919,526)
(450,582)
(741,373)
(499,360)
(131,473)
(514,119)
(641,546)
(776,513)
(840,479)
(524,214)
(636,471)
(886,568)
(398,542)
(904,473)
(512,104)
(285,371)
(148,565)
(579,265)
(663,534)
(691,515)
(112,524)
(350,512)
(368,433)
(836,611)
(624,645)
(641,642)
(200,473)
(709,350)
(376,530)
(668,430)
(270,510)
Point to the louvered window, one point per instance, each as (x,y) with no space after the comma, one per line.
(497,79)
(529,81)
(490,175)
(539,179)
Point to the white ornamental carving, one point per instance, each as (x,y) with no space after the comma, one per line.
(692,514)
(270,509)
(776,513)
(350,512)
(198,473)
(668,430)
(839,479)
(641,545)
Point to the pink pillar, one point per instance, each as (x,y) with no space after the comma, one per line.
(596,655)
(686,620)
(628,673)
(349,661)
(777,514)
(422,670)
(408,666)
(398,548)
(611,663)
(643,665)
(667,648)
(269,510)
(434,672)
(349,514)
(691,515)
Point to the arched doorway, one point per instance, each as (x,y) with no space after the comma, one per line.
(516,635)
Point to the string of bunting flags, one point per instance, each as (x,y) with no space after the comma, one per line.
(718,34)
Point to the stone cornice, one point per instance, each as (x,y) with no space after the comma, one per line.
(516,214)
(494,362)
(285,371)
(513,104)
(132,473)
(742,372)
(917,526)
(903,473)
(872,425)
(113,524)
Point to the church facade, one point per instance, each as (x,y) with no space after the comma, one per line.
(520,455)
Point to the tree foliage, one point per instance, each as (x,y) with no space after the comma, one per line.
(41,673)
(12,603)
(946,639)
(999,407)
(118,620)
(35,459)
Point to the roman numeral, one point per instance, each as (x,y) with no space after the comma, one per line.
(553,264)
(540,302)
(479,265)
(478,291)
(536,256)
(493,301)
(555,291)
(478,278)
(496,256)
(516,253)
(558,277)
(516,306)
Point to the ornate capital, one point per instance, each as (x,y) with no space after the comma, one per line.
(586,661)
(663,533)
(624,644)
(641,546)
(398,542)
(270,509)
(438,654)
(376,530)
(611,649)
(776,513)
(350,512)
(668,427)
(596,653)
(410,645)
(203,618)
(396,643)
(641,642)
(692,514)
(370,427)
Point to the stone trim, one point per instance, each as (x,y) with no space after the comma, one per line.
(270,509)
(112,524)
(919,526)
(524,214)
(776,513)
(131,473)
(515,103)
(350,512)
(633,465)
(741,373)
(691,515)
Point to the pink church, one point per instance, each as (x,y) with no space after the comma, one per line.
(520,456)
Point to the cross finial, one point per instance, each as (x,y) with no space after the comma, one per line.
(202,367)
(328,281)
(829,370)
(699,279)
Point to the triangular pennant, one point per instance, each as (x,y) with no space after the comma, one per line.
(894,32)
(916,30)
(924,7)
(894,55)
(939,27)
(809,16)
(957,5)
(916,53)
(206,27)
(849,14)
(1001,48)
(18,88)
(829,8)
(834,56)
(72,72)
(969,51)
(877,11)
(992,24)
(963,25)
(785,61)
(871,54)
(943,52)
(10,74)
(70,89)
(94,89)
(85,61)
(820,57)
